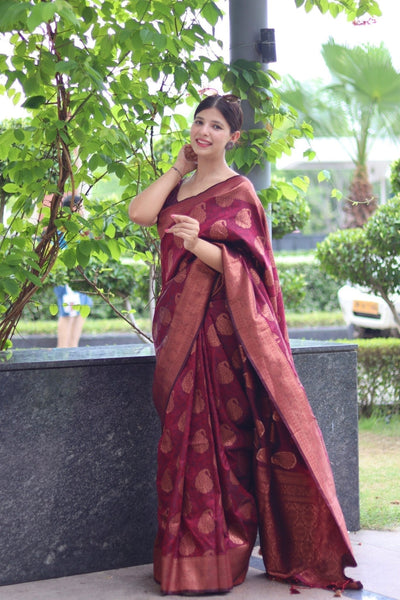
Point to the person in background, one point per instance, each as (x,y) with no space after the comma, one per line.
(240,449)
(70,320)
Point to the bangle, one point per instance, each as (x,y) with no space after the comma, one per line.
(178,171)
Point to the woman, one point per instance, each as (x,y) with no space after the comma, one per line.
(240,448)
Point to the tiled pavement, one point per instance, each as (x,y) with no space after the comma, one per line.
(377,554)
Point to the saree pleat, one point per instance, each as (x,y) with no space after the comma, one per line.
(240,448)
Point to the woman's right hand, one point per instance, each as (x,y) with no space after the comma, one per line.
(186,160)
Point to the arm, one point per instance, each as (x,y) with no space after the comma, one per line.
(144,208)
(188,229)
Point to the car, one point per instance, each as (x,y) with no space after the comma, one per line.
(368,314)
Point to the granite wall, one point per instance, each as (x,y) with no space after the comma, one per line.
(78,453)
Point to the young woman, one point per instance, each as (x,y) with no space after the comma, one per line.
(240,449)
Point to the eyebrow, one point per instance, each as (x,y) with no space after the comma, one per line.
(213,121)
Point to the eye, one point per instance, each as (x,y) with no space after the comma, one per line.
(217,127)
(197,121)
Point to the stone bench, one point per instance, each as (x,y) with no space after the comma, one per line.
(78,449)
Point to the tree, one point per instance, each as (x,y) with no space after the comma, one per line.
(368,256)
(362,102)
(102,80)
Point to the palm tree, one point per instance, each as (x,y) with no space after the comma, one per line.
(361,102)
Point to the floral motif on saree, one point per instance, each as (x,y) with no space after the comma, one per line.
(240,448)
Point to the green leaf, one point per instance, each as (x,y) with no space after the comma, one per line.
(180,77)
(181,121)
(10,286)
(84,310)
(53,308)
(68,257)
(34,102)
(324,176)
(110,230)
(211,12)
(11,188)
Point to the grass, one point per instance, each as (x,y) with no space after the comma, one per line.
(315,319)
(379,447)
(93,326)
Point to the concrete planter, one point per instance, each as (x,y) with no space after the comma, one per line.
(78,453)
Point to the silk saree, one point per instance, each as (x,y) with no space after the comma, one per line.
(240,449)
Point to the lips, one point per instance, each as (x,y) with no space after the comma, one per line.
(203,143)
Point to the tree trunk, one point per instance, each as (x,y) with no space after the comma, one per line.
(361,203)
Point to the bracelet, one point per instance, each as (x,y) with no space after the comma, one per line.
(178,171)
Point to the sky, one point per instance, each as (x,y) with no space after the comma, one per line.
(299,37)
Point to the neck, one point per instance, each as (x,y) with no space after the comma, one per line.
(209,169)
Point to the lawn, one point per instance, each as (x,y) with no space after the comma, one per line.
(379,444)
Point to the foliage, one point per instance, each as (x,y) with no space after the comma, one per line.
(287,205)
(353,8)
(124,283)
(395,176)
(361,103)
(378,376)
(367,257)
(102,80)
(316,291)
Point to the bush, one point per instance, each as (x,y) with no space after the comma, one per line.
(319,290)
(378,375)
(118,280)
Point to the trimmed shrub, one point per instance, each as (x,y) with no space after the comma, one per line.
(378,375)
(318,290)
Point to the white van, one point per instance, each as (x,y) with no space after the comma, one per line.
(365,312)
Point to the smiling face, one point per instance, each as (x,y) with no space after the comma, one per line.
(210,133)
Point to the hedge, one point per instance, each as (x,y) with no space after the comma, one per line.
(315,290)
(378,375)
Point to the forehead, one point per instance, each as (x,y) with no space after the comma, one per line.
(212,114)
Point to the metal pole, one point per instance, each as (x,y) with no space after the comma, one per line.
(246,18)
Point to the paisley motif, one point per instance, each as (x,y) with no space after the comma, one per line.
(234,409)
(187,382)
(286,460)
(199,442)
(206,522)
(228,436)
(243,218)
(166,442)
(224,372)
(203,482)
(224,324)
(219,230)
(166,482)
(187,545)
(199,212)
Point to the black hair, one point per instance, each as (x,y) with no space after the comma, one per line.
(230,110)
(77,201)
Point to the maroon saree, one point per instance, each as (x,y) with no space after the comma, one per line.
(240,448)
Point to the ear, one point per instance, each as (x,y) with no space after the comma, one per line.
(235,136)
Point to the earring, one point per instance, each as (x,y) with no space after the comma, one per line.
(229,145)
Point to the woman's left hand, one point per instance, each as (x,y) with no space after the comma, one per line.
(187,229)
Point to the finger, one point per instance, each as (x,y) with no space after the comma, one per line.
(184,219)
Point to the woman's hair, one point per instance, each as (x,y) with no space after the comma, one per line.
(228,106)
(77,201)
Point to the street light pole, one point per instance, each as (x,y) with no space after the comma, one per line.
(248,28)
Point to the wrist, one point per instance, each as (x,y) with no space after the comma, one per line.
(178,171)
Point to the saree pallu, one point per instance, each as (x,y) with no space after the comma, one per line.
(240,448)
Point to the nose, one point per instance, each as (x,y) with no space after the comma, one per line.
(204,128)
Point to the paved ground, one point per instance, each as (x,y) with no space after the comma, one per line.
(377,554)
